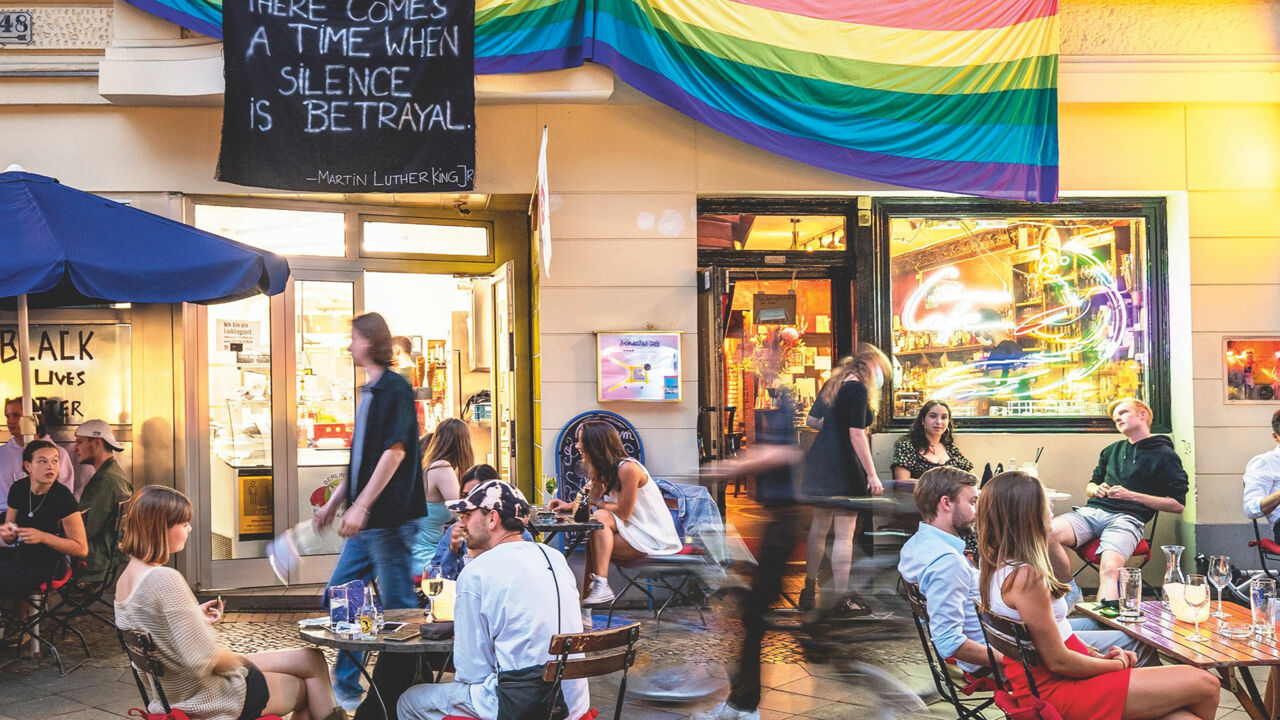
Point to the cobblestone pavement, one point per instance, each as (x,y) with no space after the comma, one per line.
(796,687)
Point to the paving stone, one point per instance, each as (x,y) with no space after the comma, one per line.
(90,714)
(43,708)
(111,696)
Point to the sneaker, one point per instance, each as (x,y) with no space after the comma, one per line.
(600,592)
(807,596)
(587,622)
(725,711)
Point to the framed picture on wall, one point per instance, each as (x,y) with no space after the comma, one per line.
(1251,369)
(640,366)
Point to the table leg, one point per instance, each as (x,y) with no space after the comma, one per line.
(1240,683)
(373,686)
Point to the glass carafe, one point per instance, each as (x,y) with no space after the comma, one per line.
(1172,574)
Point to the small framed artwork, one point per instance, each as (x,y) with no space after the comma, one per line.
(1251,369)
(640,366)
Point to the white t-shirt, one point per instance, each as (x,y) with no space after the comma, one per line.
(11,468)
(504,617)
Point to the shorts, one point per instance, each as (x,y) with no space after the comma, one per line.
(256,694)
(1117,532)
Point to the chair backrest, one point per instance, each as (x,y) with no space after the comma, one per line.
(937,664)
(604,651)
(1013,639)
(138,645)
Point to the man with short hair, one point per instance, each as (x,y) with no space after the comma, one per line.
(100,502)
(11,468)
(511,598)
(934,560)
(1262,483)
(1135,478)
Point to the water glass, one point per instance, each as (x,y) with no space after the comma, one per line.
(1262,595)
(1130,594)
(338,605)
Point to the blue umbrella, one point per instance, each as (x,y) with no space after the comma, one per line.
(65,247)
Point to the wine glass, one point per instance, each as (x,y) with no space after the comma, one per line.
(1219,573)
(1196,596)
(435,581)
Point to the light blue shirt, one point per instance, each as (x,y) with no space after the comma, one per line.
(1261,478)
(934,560)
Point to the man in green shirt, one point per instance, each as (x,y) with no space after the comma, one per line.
(100,501)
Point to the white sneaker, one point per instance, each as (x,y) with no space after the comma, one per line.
(587,622)
(725,711)
(600,592)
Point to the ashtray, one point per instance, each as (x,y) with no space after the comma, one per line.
(1231,629)
(547,517)
(1121,617)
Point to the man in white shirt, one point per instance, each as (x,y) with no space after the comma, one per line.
(1262,483)
(511,598)
(11,454)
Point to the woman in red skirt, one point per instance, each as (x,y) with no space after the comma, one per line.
(1022,577)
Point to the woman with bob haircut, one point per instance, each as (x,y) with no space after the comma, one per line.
(204,680)
(1021,578)
(448,456)
(627,501)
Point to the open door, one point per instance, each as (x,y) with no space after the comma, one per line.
(502,287)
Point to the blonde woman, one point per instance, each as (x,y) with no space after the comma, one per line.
(448,456)
(204,680)
(839,465)
(1021,578)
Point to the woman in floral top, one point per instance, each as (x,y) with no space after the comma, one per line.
(927,445)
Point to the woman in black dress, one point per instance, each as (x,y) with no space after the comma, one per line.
(839,463)
(928,444)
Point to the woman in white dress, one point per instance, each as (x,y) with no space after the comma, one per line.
(627,502)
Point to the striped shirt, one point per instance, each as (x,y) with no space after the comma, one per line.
(163,605)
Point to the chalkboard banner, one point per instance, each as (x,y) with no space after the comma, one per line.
(353,96)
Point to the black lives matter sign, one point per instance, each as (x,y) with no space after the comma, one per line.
(349,95)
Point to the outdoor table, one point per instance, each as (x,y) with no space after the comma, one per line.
(548,529)
(392,672)
(1221,654)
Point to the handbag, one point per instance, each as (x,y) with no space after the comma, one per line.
(522,693)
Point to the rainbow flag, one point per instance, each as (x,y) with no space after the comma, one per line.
(950,95)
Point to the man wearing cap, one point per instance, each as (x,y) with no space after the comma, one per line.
(511,598)
(11,454)
(100,501)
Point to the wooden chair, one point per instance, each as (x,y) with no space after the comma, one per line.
(966,708)
(139,646)
(1091,555)
(605,651)
(1013,639)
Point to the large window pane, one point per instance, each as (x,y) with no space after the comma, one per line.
(771,232)
(1018,316)
(242,496)
(425,239)
(284,232)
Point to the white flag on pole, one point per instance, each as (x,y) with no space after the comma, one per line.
(542,206)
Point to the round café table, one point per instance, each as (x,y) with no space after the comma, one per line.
(394,671)
(548,524)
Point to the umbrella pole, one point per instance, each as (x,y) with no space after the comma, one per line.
(24,357)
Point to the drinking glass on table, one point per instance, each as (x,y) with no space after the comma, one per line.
(1196,596)
(434,582)
(1219,573)
(1262,593)
(1130,594)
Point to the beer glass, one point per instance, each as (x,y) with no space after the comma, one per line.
(1262,592)
(1130,594)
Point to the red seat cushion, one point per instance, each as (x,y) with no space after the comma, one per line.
(1089,551)
(58,582)
(1270,547)
(588,715)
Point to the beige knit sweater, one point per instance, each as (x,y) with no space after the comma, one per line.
(163,605)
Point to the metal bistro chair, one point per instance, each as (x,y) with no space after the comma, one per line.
(966,708)
(139,646)
(605,652)
(80,599)
(17,627)
(1013,639)
(1091,556)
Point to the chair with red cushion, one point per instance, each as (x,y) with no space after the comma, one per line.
(139,646)
(1092,556)
(943,680)
(677,574)
(1013,639)
(18,628)
(1267,549)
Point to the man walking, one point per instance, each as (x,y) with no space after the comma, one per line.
(511,598)
(100,501)
(1135,478)
(383,489)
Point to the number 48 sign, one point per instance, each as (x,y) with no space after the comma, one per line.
(15,28)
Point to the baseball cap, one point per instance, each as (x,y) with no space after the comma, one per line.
(99,429)
(493,495)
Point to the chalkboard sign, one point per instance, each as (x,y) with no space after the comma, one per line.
(352,96)
(571,475)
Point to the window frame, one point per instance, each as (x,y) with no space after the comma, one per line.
(363,218)
(875,311)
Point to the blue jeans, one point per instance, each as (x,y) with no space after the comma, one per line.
(384,553)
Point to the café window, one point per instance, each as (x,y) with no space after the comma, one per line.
(436,238)
(806,233)
(284,232)
(1023,319)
